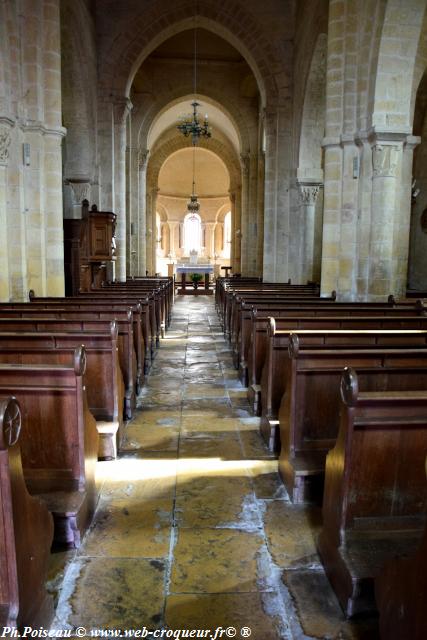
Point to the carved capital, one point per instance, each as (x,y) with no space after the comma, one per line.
(80,191)
(385,158)
(143,158)
(5,140)
(308,194)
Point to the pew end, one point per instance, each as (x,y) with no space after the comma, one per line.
(26,529)
(374,501)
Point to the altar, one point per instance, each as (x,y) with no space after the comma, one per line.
(188,269)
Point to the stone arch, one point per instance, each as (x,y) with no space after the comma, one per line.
(313,114)
(145,121)
(151,27)
(222,212)
(396,72)
(173,141)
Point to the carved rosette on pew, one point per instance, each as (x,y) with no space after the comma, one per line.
(26,531)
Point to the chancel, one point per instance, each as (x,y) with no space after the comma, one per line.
(213,318)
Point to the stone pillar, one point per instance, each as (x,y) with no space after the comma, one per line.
(173,225)
(244,218)
(142,212)
(260,213)
(402,222)
(238,232)
(5,140)
(151,229)
(308,196)
(386,158)
(54,231)
(276,200)
(331,215)
(210,239)
(233,227)
(121,111)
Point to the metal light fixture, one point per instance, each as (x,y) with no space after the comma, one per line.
(191,125)
(193,205)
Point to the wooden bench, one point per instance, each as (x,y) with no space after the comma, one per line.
(273,378)
(247,334)
(375,499)
(150,319)
(237,300)
(309,410)
(312,317)
(104,379)
(59,448)
(26,531)
(141,315)
(127,356)
(157,298)
(401,595)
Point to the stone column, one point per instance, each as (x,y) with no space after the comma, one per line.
(151,229)
(5,140)
(122,108)
(237,239)
(244,218)
(210,239)
(308,196)
(402,221)
(386,158)
(233,227)
(173,225)
(331,215)
(54,233)
(276,199)
(142,211)
(260,213)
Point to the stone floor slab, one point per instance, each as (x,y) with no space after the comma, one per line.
(112,593)
(215,561)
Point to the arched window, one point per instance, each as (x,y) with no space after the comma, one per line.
(227,235)
(192,233)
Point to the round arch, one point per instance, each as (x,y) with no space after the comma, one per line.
(152,27)
(169,144)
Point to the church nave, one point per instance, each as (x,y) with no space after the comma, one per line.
(194,529)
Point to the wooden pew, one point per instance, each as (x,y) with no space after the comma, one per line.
(317,316)
(239,299)
(26,531)
(104,379)
(140,309)
(273,378)
(242,335)
(60,446)
(401,595)
(123,315)
(157,295)
(375,499)
(150,318)
(309,410)
(127,355)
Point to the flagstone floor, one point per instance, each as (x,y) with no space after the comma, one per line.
(193,529)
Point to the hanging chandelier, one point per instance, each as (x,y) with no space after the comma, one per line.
(193,205)
(192,125)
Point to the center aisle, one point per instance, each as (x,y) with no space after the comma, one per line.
(193,529)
